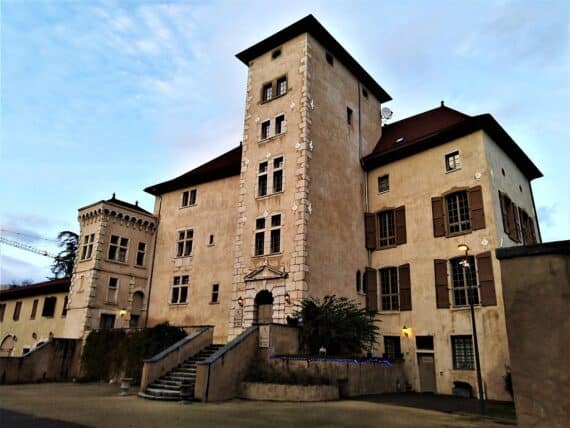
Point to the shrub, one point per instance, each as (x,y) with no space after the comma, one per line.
(338,324)
(113,353)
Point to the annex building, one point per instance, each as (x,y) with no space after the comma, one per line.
(321,197)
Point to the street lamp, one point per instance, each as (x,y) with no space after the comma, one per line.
(463,248)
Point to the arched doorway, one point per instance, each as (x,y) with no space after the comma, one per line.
(7,346)
(263,307)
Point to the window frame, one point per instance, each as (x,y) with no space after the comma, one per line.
(397,352)
(184,243)
(112,295)
(34,311)
(456,157)
(265,131)
(142,254)
(2,311)
(189,197)
(47,311)
(388,238)
(87,247)
(267,92)
(17,311)
(215,296)
(267,235)
(280,124)
(275,237)
(457,276)
(391,294)
(118,247)
(456,194)
(179,282)
(468,362)
(387,180)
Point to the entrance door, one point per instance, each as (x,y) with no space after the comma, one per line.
(426,365)
(264,307)
(265,314)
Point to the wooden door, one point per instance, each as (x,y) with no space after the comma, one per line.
(265,314)
(426,365)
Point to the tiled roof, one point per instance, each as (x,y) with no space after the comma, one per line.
(439,126)
(309,24)
(38,289)
(226,165)
(116,201)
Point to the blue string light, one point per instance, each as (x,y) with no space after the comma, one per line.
(337,360)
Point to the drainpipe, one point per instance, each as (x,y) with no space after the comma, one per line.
(152,263)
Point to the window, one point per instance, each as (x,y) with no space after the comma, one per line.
(211,240)
(25,350)
(349,116)
(281,86)
(387,228)
(424,342)
(358,281)
(179,293)
(118,249)
(277,175)
(275,245)
(364,93)
(452,161)
(64,309)
(107,321)
(34,309)
(49,307)
(259,237)
(464,284)
(215,293)
(134,321)
(112,291)
(392,349)
(389,289)
(267,93)
(462,348)
(329,58)
(87,248)
(2,311)
(383,183)
(276,53)
(279,122)
(527,228)
(457,212)
(189,198)
(17,309)
(262,179)
(265,129)
(140,253)
(184,243)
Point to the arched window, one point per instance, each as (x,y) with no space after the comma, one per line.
(358,281)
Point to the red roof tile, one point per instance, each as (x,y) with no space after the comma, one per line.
(38,289)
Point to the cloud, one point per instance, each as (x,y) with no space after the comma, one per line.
(547,215)
(13,270)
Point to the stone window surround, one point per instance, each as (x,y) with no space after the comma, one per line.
(87,247)
(178,241)
(271,130)
(274,88)
(267,236)
(118,246)
(116,288)
(270,169)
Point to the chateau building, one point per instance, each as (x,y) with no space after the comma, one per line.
(322,198)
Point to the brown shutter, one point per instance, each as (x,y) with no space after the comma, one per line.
(370,278)
(504,212)
(441,291)
(486,279)
(510,219)
(516,233)
(370,230)
(476,206)
(438,216)
(400,220)
(405,286)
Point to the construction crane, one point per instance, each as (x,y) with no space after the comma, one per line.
(26,247)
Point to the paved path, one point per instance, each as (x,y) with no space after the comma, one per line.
(99,405)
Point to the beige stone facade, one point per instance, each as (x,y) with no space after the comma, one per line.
(243,238)
(31,315)
(109,287)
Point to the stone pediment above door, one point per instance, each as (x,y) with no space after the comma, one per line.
(264,273)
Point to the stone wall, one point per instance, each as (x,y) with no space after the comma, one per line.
(55,360)
(536,286)
(277,392)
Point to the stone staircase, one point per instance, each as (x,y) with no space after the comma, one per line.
(168,386)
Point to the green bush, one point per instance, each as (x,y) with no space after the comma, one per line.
(112,353)
(338,324)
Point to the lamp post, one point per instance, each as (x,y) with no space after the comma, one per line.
(463,248)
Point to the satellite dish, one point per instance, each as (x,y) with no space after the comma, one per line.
(386,113)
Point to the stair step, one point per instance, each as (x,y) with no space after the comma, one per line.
(163,392)
(158,385)
(157,397)
(179,379)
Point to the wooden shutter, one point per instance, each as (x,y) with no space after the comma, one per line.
(516,233)
(438,216)
(504,212)
(370,230)
(405,287)
(400,220)
(441,290)
(370,278)
(531,231)
(486,279)
(476,207)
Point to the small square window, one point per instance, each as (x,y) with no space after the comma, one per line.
(383,183)
(276,220)
(211,241)
(265,129)
(329,58)
(215,293)
(276,53)
(349,116)
(364,93)
(452,161)
(260,223)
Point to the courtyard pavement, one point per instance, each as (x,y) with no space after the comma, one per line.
(99,405)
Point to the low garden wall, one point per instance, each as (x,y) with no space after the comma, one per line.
(278,392)
(55,360)
(354,377)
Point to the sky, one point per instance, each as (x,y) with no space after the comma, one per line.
(113,96)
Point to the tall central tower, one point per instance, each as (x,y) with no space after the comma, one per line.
(311,114)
